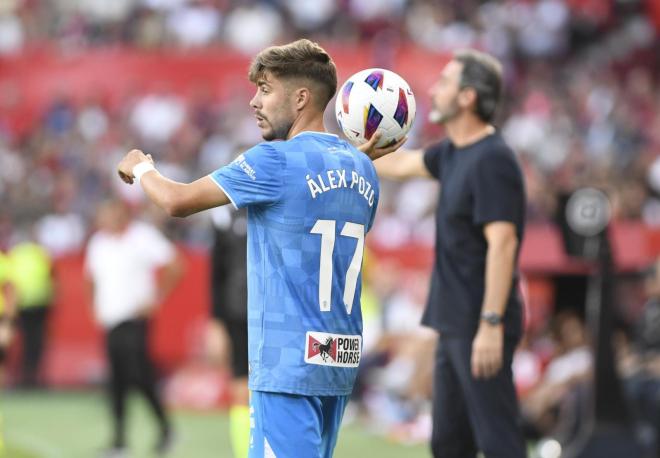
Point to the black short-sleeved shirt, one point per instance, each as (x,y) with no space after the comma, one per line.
(229,269)
(480,183)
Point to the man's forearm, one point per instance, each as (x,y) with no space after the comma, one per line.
(386,166)
(500,260)
(401,165)
(171,275)
(180,199)
(165,193)
(177,199)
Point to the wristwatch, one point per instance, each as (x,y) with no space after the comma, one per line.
(492,318)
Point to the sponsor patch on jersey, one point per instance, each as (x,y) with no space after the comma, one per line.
(338,350)
(245,167)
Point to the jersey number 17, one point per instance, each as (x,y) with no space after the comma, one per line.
(326,228)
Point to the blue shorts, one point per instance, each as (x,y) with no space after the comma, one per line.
(294,426)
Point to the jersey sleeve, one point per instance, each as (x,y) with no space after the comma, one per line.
(499,192)
(253,178)
(432,160)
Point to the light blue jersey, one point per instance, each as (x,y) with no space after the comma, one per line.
(311,200)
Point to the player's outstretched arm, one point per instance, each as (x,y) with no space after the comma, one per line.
(177,199)
(393,162)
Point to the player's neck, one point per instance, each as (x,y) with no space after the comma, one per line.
(467,129)
(306,123)
(118,229)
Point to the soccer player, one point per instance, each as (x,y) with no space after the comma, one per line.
(473,301)
(311,199)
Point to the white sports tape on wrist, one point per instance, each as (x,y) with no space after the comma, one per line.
(141,169)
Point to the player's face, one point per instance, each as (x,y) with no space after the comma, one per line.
(444,94)
(273,108)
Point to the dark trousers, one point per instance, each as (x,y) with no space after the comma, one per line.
(131,366)
(32,321)
(473,414)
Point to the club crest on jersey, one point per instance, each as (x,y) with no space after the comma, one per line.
(336,350)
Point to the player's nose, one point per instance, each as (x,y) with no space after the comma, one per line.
(255,103)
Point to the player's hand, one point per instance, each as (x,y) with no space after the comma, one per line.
(374,152)
(132,158)
(487,349)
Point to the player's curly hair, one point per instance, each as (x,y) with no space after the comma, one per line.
(301,59)
(483,73)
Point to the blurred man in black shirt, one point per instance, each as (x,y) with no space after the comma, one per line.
(473,301)
(228,330)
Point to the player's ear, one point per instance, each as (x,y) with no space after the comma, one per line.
(303,97)
(467,97)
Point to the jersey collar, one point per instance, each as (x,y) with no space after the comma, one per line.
(308,132)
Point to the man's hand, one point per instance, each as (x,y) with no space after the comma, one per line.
(487,349)
(373,152)
(132,158)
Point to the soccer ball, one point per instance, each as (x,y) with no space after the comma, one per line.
(375,100)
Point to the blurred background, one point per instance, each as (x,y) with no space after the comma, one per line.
(84,81)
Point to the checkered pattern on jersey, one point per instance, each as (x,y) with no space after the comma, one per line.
(271,179)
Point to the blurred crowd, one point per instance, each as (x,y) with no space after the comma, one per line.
(582,104)
(582,107)
(543,28)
